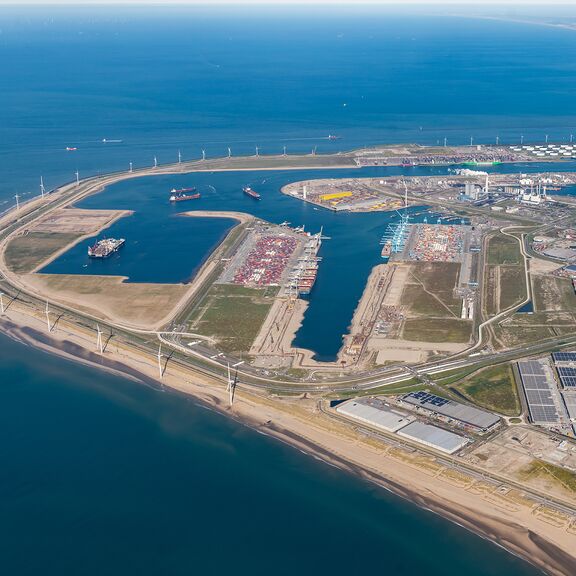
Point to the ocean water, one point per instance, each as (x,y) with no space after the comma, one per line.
(102,476)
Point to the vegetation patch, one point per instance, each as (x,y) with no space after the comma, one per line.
(233,315)
(25,253)
(551,293)
(503,250)
(430,289)
(437,330)
(547,471)
(512,286)
(493,388)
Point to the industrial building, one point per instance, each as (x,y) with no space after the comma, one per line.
(565,363)
(376,413)
(542,395)
(468,416)
(434,437)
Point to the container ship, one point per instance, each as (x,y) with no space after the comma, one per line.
(249,192)
(182,194)
(482,163)
(105,248)
(386,249)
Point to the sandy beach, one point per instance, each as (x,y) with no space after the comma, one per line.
(513,521)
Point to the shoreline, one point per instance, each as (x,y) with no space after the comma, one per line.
(292,425)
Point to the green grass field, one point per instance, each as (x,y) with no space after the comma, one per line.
(512,286)
(559,475)
(437,330)
(503,250)
(492,388)
(430,287)
(24,253)
(551,293)
(233,315)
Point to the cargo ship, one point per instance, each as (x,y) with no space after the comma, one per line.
(249,192)
(386,249)
(105,248)
(482,163)
(182,194)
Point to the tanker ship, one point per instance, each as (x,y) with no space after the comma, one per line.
(105,248)
(249,192)
(182,194)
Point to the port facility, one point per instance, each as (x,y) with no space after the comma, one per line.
(434,437)
(468,416)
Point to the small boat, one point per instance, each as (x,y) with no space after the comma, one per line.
(249,192)
(106,141)
(334,137)
(71,148)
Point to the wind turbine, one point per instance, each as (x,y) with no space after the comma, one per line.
(284,150)
(231,385)
(17,202)
(179,157)
(48,317)
(42,189)
(130,166)
(99,340)
(229,153)
(160,371)
(203,154)
(77,178)
(257,152)
(155,162)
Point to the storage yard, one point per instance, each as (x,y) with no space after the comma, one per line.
(275,256)
(436,243)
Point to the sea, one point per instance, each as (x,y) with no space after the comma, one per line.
(103,475)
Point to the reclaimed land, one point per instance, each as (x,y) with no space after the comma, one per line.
(492,388)
(437,330)
(233,315)
(106,297)
(430,287)
(25,253)
(512,286)
(508,520)
(504,250)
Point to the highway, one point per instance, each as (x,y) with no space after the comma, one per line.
(202,356)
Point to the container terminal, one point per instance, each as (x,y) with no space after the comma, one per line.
(276,256)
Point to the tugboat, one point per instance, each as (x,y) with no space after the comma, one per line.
(249,192)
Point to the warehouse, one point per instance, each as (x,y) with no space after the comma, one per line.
(434,437)
(375,413)
(462,413)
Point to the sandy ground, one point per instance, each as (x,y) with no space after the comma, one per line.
(110,298)
(506,516)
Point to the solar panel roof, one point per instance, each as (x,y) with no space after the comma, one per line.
(564,356)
